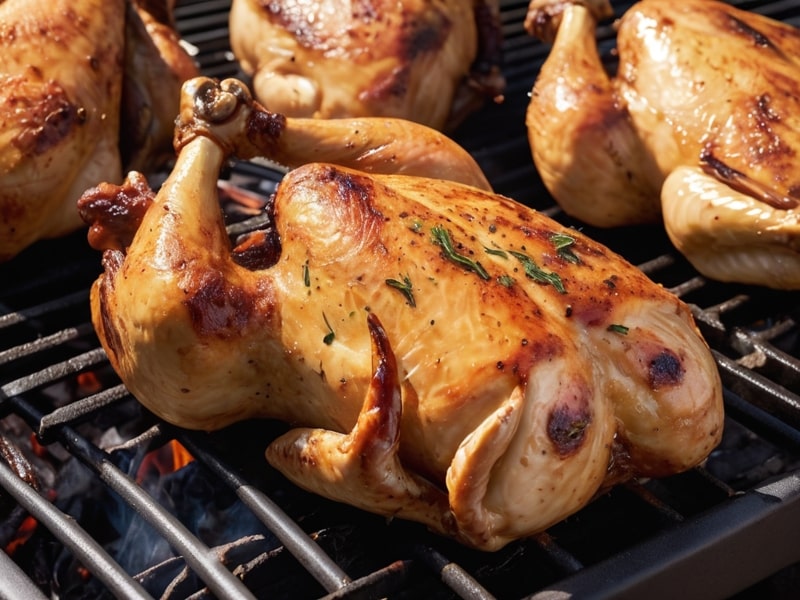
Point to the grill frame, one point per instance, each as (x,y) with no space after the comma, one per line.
(742,536)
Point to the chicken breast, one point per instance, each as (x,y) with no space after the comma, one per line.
(699,126)
(73,76)
(443,353)
(432,62)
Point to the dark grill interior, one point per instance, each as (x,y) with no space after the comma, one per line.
(108,517)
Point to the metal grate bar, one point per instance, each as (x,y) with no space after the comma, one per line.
(45,278)
(52,373)
(82,545)
(715,555)
(150,438)
(667,512)
(41,344)
(291,535)
(69,301)
(16,584)
(196,554)
(760,391)
(761,422)
(378,584)
(565,561)
(79,410)
(452,574)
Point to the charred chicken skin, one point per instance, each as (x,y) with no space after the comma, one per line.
(88,89)
(429,61)
(700,126)
(445,354)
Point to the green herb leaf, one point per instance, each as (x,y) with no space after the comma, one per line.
(328,339)
(441,237)
(496,252)
(306,275)
(506,280)
(415,224)
(563,244)
(404,287)
(618,329)
(536,273)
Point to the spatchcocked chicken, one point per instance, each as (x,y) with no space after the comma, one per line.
(445,354)
(429,61)
(700,125)
(88,89)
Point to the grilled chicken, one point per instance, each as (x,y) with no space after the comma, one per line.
(444,354)
(430,61)
(699,126)
(72,77)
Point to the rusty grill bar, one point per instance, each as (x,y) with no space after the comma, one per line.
(729,526)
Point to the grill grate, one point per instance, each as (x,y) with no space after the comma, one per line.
(722,529)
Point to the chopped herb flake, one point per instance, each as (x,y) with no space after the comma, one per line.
(306,275)
(415,224)
(404,287)
(441,237)
(506,280)
(618,329)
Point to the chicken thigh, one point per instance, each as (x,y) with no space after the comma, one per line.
(443,353)
(700,126)
(429,61)
(73,76)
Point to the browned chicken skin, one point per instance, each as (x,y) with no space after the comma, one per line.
(72,76)
(445,354)
(700,126)
(429,61)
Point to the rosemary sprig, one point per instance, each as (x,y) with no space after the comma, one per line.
(441,237)
(495,252)
(618,329)
(404,287)
(536,273)
(563,244)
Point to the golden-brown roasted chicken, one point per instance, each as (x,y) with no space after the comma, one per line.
(88,89)
(700,125)
(429,61)
(446,354)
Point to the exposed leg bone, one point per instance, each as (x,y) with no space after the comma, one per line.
(375,145)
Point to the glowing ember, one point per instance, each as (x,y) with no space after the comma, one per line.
(37,448)
(164,460)
(24,533)
(88,383)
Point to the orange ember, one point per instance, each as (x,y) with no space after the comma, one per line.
(38,449)
(24,533)
(88,383)
(164,460)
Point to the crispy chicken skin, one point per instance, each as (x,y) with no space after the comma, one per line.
(72,76)
(699,126)
(430,61)
(444,354)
